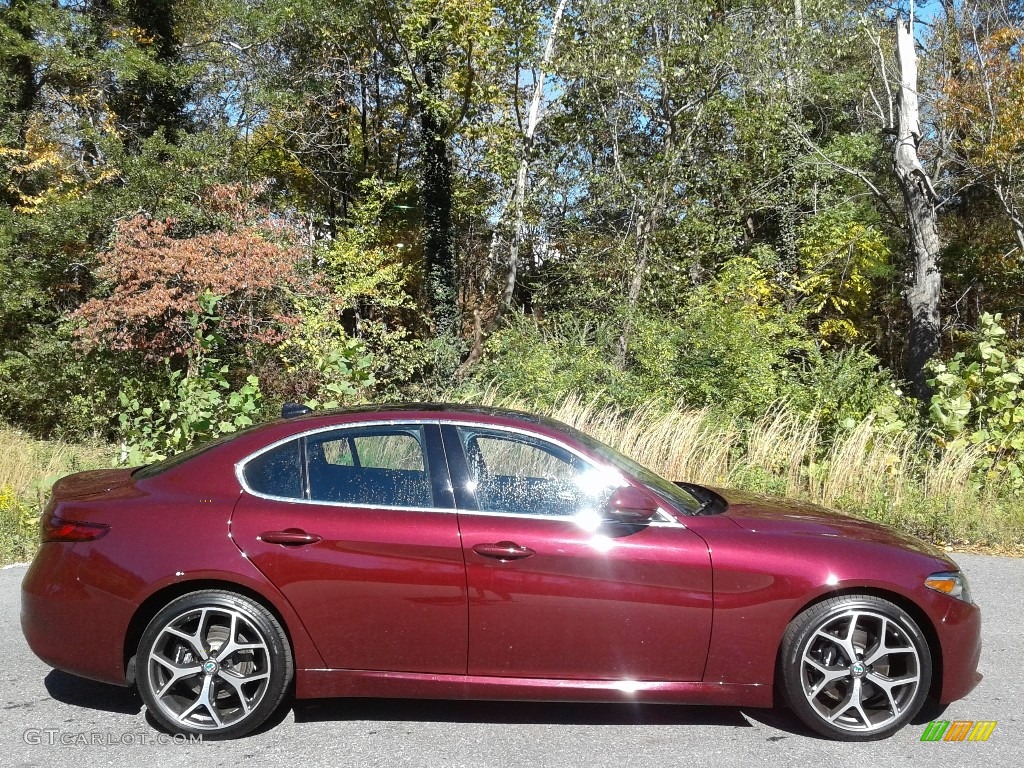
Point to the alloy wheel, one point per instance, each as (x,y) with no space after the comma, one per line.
(213,663)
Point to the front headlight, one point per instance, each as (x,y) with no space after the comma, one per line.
(953,584)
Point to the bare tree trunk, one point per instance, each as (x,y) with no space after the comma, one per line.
(922,226)
(522,176)
(1012,212)
(644,227)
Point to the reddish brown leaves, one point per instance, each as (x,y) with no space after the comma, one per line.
(156,279)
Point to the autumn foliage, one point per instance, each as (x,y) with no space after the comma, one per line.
(157,277)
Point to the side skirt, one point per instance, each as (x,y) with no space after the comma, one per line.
(331,683)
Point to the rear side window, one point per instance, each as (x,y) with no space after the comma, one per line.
(375,466)
(277,472)
(390,450)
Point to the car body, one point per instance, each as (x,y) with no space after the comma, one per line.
(444,551)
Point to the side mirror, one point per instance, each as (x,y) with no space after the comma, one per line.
(631,506)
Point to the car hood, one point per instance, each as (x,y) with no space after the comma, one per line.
(767,514)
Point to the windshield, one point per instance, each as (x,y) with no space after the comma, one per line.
(678,497)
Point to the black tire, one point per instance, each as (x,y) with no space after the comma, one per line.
(855,668)
(194,682)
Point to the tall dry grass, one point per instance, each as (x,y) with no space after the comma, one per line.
(27,470)
(29,466)
(894,478)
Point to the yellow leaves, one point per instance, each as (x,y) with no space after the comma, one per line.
(45,162)
(840,259)
(135,34)
(369,274)
(984,101)
(839,329)
(744,282)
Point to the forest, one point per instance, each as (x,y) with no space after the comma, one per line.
(776,244)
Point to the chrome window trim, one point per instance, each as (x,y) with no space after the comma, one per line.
(668,519)
(241,464)
(666,523)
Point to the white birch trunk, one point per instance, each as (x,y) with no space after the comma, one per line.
(522,176)
(922,225)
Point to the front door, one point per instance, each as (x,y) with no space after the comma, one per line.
(556,593)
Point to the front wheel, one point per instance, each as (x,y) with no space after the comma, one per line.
(855,667)
(213,663)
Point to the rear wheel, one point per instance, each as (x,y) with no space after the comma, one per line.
(213,663)
(855,667)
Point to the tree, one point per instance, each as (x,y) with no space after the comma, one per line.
(20,82)
(982,104)
(919,199)
(526,148)
(156,280)
(153,100)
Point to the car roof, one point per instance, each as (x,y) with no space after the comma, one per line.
(239,444)
(432,407)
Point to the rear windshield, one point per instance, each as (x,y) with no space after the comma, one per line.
(152,470)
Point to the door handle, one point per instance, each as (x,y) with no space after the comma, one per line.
(503,550)
(289,537)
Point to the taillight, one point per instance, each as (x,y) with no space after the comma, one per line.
(58,529)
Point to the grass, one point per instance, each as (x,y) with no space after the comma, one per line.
(28,468)
(891,478)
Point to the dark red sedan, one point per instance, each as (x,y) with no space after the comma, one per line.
(440,551)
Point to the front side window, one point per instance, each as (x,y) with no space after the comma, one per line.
(522,475)
(376,466)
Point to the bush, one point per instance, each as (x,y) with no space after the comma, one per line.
(200,404)
(19,526)
(542,362)
(202,407)
(843,387)
(979,400)
(327,368)
(53,390)
(733,348)
(737,348)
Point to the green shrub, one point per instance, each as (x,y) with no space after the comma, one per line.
(542,362)
(737,348)
(733,348)
(979,400)
(200,404)
(19,526)
(333,368)
(843,387)
(52,390)
(201,407)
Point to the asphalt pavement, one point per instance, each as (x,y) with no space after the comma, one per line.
(48,718)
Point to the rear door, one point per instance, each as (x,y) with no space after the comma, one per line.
(356,527)
(553,593)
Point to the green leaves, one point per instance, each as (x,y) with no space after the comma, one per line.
(979,400)
(202,405)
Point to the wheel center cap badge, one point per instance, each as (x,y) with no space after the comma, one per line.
(210,666)
(857,670)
